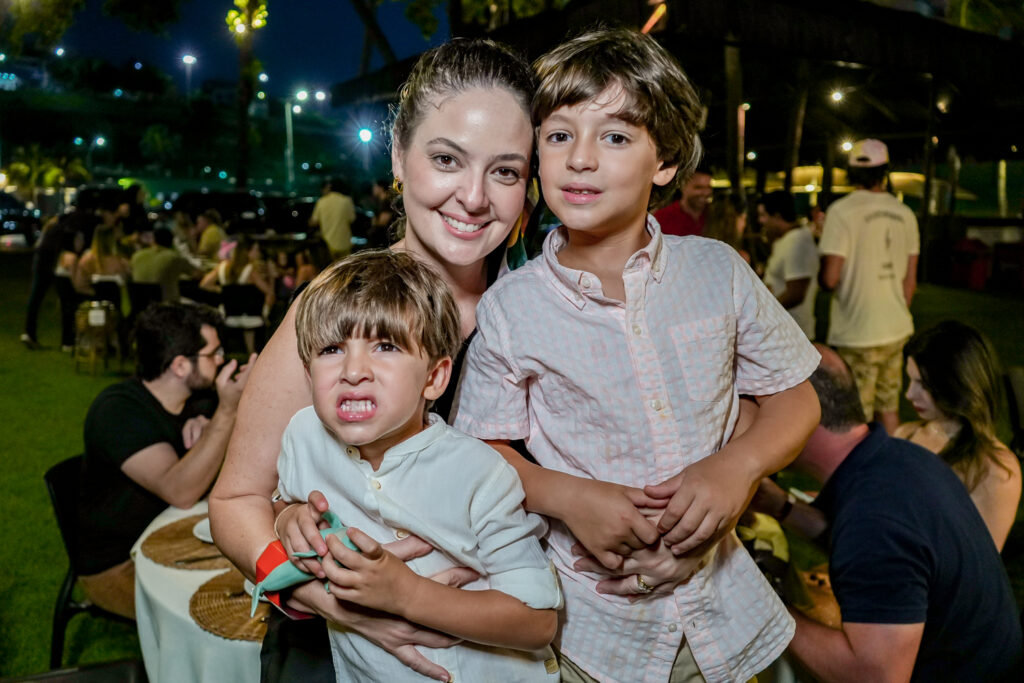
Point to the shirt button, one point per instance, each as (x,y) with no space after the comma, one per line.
(376,483)
(637,330)
(401,533)
(585,282)
(656,404)
(352,451)
(672,628)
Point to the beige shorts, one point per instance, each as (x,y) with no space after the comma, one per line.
(878,372)
(684,669)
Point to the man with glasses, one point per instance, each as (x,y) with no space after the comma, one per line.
(145,446)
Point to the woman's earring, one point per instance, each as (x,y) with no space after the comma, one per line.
(397,185)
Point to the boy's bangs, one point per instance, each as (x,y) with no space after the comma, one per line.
(365,316)
(578,84)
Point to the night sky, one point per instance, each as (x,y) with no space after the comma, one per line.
(308,44)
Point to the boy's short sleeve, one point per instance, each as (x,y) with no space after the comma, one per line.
(492,402)
(509,545)
(772,352)
(291,449)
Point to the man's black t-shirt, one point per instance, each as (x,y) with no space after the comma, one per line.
(908,546)
(113,510)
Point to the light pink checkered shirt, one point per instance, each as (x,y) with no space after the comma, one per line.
(633,393)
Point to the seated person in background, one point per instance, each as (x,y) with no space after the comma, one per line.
(143,451)
(211,235)
(163,265)
(922,590)
(186,237)
(954,387)
(102,261)
(383,213)
(244,266)
(726,221)
(377,333)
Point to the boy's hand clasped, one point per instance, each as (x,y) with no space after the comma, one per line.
(649,541)
(704,502)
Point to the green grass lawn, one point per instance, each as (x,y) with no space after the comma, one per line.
(43,405)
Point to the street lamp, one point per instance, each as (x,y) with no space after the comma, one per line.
(289,149)
(98,141)
(188,61)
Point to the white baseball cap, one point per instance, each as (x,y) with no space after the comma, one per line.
(869,153)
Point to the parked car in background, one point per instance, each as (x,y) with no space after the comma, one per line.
(242,212)
(19,225)
(288,215)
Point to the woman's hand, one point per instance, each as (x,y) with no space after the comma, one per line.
(608,519)
(393,634)
(655,564)
(298,529)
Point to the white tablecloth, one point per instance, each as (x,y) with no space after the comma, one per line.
(174,648)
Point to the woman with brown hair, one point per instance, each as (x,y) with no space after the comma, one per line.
(954,387)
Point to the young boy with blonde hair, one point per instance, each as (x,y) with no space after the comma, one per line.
(625,380)
(377,333)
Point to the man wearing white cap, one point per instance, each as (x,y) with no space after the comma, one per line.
(869,249)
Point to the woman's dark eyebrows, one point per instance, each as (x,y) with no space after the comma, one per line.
(512,156)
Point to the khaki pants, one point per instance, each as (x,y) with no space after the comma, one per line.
(112,589)
(878,372)
(684,669)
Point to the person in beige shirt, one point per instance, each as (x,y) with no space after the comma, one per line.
(334,214)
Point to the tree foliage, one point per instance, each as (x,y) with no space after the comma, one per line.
(150,16)
(32,170)
(159,145)
(48,20)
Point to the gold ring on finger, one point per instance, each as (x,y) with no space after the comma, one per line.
(642,585)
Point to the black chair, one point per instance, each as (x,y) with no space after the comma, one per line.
(141,295)
(243,310)
(62,482)
(122,671)
(1014,379)
(107,290)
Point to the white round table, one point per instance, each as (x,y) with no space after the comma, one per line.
(174,648)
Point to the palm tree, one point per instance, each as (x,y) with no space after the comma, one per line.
(250,16)
(33,171)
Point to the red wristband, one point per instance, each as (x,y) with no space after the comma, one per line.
(271,558)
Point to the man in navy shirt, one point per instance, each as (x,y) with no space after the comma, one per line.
(922,589)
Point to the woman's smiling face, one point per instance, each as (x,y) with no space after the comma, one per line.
(464,173)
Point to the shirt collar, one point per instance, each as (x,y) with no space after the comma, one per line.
(393,456)
(868,446)
(578,285)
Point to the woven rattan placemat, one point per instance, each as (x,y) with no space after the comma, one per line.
(176,546)
(221,606)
